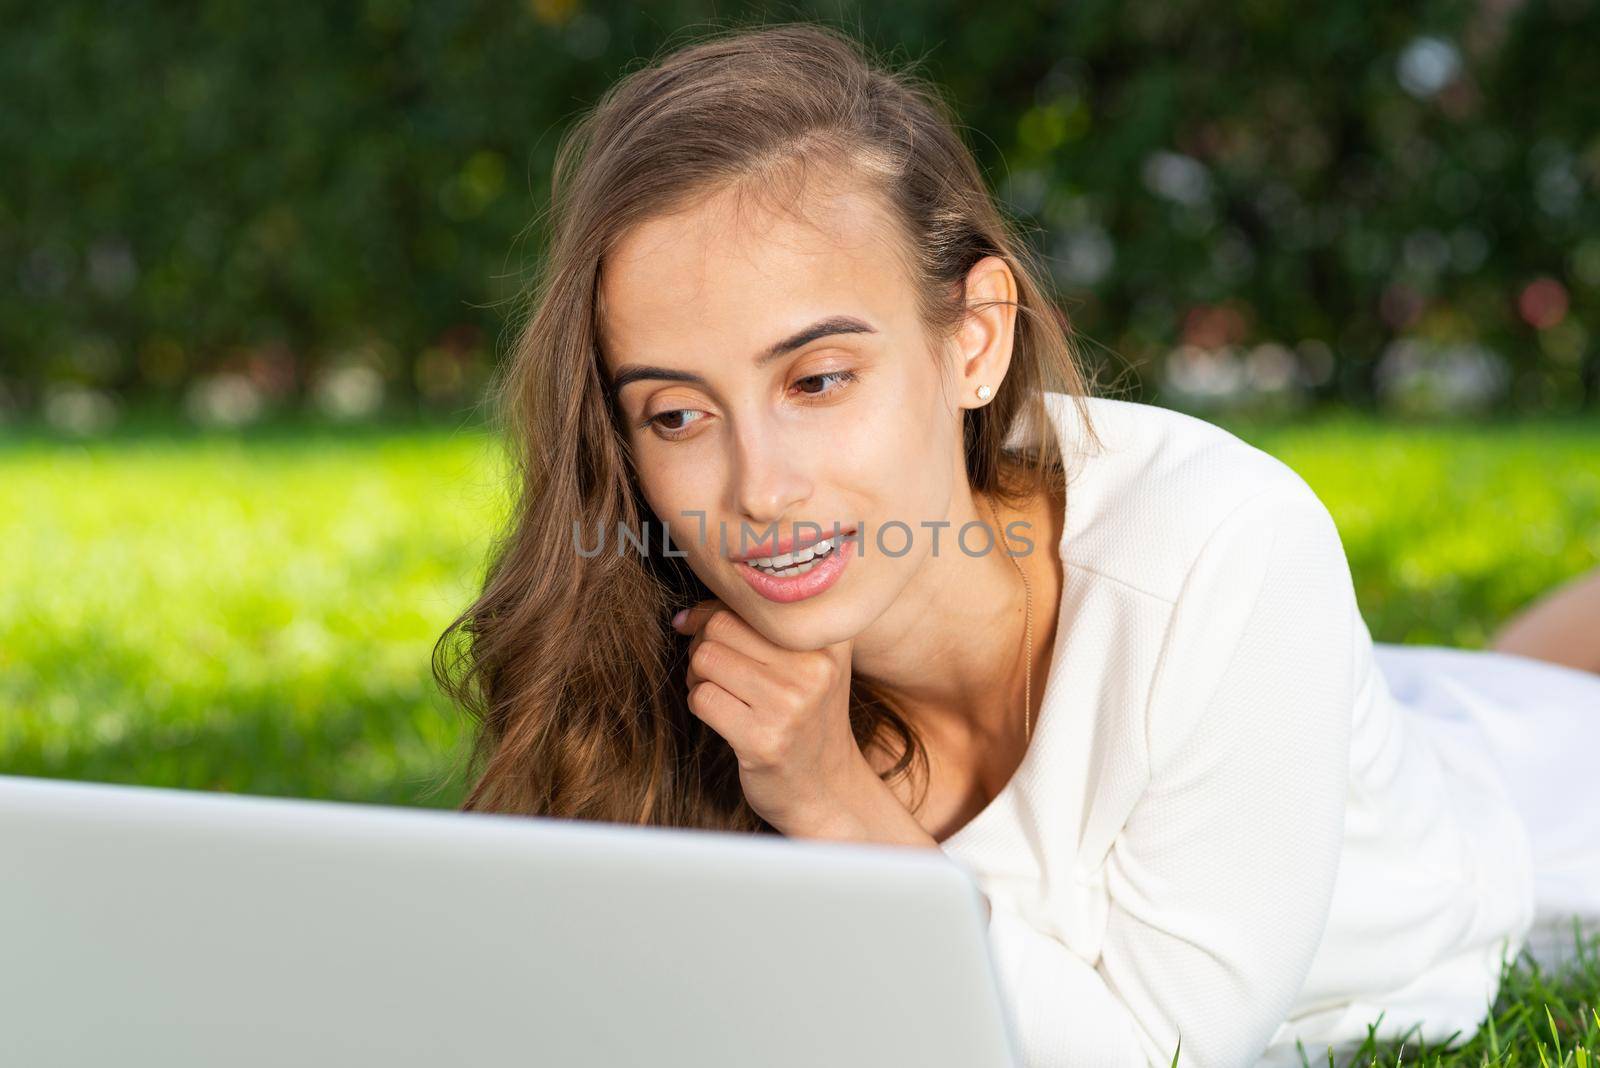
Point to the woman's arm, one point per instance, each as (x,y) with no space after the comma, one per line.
(1221,880)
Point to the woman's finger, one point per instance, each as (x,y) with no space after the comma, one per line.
(729,668)
(690,620)
(715,620)
(721,711)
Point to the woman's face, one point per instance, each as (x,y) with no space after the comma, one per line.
(737,404)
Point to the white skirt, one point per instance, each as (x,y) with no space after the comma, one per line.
(1539,724)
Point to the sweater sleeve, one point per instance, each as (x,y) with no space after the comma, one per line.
(1221,879)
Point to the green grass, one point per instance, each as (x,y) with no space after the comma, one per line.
(255,612)
(1450,529)
(245,614)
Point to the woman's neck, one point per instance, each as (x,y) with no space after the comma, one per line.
(951,653)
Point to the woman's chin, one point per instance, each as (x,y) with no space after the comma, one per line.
(796,627)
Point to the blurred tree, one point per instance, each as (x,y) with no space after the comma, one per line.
(284,195)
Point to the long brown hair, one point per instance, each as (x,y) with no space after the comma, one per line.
(568,664)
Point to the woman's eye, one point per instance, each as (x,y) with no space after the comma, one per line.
(841,376)
(670,431)
(660,421)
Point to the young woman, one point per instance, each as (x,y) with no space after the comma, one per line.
(782,318)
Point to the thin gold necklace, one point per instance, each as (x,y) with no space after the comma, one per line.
(1027,589)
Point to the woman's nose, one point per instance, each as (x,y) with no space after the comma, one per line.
(770,474)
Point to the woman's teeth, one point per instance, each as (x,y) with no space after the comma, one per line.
(796,563)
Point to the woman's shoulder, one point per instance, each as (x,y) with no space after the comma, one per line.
(1144,501)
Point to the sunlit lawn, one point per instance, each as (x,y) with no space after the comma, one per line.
(255,612)
(239,614)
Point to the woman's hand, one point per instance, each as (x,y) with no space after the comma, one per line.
(786,714)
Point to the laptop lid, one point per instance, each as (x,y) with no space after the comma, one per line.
(144,926)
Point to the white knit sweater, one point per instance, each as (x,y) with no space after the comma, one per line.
(1225,826)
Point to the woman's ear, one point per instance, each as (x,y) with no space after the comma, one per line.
(984,339)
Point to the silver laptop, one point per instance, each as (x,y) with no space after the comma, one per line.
(144,927)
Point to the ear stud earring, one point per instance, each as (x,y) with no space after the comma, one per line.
(984,392)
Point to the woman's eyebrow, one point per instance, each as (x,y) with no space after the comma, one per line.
(834,324)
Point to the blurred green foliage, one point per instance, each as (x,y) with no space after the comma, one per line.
(237,204)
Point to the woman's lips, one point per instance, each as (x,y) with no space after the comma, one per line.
(788,590)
